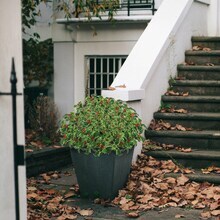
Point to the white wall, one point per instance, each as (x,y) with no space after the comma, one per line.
(160,48)
(10,46)
(75,42)
(214,18)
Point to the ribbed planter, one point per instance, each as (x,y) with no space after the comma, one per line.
(46,160)
(101,176)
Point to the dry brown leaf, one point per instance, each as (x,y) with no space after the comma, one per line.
(121,86)
(185,94)
(67,217)
(182,180)
(32,188)
(111,88)
(179,216)
(206,215)
(52,207)
(206,49)
(185,150)
(210,64)
(215,213)
(57,146)
(45,177)
(69,194)
(180,127)
(28,150)
(133,214)
(197,48)
(84,212)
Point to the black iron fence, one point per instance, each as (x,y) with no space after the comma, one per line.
(18,149)
(129,7)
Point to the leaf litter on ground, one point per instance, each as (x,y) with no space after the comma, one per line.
(147,188)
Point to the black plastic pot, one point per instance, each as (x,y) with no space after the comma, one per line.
(101,177)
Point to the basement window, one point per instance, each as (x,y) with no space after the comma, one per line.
(101,72)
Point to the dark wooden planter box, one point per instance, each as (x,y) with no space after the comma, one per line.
(101,176)
(46,160)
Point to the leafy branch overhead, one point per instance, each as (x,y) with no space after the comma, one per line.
(88,8)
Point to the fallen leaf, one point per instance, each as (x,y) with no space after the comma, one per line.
(111,88)
(197,48)
(182,180)
(206,49)
(215,213)
(206,215)
(69,194)
(121,86)
(179,216)
(28,150)
(133,214)
(85,212)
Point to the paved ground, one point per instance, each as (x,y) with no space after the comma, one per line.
(114,213)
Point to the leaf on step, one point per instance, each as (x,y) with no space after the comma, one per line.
(185,150)
(187,171)
(121,86)
(111,88)
(215,213)
(205,215)
(180,127)
(210,64)
(69,194)
(181,110)
(211,169)
(197,48)
(185,94)
(182,180)
(172,93)
(84,212)
(190,63)
(179,216)
(133,214)
(206,49)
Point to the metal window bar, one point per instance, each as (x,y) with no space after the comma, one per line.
(102,79)
(18,149)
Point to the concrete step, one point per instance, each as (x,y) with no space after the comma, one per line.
(195,120)
(203,57)
(198,176)
(199,72)
(196,159)
(208,139)
(194,103)
(210,42)
(197,87)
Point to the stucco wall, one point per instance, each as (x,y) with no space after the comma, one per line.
(77,41)
(10,46)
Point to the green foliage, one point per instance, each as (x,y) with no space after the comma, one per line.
(28,14)
(38,61)
(88,8)
(101,126)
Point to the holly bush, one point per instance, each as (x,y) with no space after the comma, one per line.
(101,126)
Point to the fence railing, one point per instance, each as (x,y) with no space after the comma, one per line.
(18,149)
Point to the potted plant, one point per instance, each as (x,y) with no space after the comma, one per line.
(101,134)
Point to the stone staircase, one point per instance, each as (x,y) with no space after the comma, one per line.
(200,77)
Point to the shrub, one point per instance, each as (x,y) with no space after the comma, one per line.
(43,118)
(101,126)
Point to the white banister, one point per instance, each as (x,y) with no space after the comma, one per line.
(155,56)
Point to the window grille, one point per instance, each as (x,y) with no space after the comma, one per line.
(101,72)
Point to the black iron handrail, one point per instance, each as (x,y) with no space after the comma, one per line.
(133,5)
(18,149)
